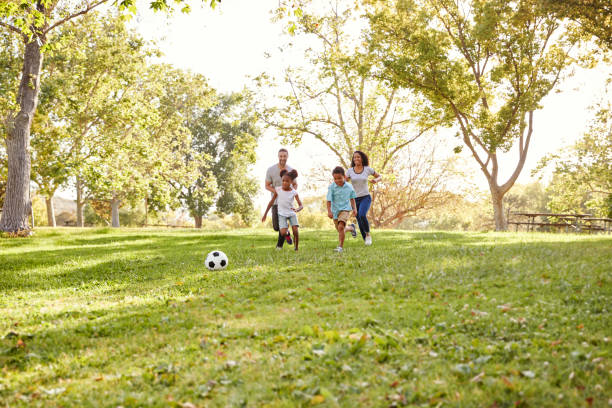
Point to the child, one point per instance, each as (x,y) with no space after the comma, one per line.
(340,202)
(286,212)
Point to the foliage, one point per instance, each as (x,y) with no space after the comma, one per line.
(418,319)
(416,180)
(582,174)
(457,214)
(487,64)
(335,98)
(227,134)
(593,16)
(527,198)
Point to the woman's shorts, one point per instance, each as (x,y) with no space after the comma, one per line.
(282,221)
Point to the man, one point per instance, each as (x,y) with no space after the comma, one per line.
(273,179)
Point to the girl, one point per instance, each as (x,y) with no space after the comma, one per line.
(286,212)
(358,176)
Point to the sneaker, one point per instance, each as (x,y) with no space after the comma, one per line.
(353,231)
(279,248)
(368,240)
(338,249)
(288,239)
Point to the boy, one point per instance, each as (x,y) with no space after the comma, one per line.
(340,202)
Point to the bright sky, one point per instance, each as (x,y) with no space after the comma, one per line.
(228,44)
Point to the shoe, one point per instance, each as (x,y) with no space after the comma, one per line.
(368,240)
(353,231)
(288,239)
(339,249)
(279,248)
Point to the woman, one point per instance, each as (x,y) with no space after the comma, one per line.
(358,175)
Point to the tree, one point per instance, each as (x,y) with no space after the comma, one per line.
(488,64)
(3,175)
(335,98)
(90,79)
(594,17)
(32,21)
(9,74)
(51,161)
(416,182)
(227,134)
(582,173)
(146,142)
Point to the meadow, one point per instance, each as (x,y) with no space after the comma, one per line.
(132,318)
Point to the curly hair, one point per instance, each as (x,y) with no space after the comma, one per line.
(292,174)
(364,158)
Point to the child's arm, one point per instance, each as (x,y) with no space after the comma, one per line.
(329,212)
(297,198)
(354,207)
(270,204)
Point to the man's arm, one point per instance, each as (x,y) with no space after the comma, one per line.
(270,187)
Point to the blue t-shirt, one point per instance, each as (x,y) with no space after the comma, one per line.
(340,198)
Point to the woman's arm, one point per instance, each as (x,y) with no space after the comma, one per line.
(376,179)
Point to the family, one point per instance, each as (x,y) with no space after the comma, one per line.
(347,196)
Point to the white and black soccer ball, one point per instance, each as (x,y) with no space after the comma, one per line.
(216,260)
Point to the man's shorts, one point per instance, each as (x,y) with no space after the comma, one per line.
(343,216)
(282,221)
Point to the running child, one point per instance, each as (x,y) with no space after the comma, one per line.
(286,212)
(340,204)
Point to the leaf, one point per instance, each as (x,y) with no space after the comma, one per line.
(507,382)
(317,399)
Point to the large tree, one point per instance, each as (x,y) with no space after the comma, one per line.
(142,156)
(489,64)
(32,21)
(336,99)
(333,98)
(227,134)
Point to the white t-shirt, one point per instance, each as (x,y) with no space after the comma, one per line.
(273,175)
(285,201)
(360,180)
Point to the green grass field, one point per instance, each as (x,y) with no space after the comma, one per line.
(132,318)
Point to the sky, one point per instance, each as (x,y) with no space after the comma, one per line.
(229,44)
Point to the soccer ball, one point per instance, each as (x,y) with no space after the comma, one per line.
(216,260)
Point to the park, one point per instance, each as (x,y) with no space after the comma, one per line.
(335,203)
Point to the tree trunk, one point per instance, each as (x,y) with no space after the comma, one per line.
(17,204)
(79,203)
(50,212)
(501,223)
(115,212)
(146,204)
(198,221)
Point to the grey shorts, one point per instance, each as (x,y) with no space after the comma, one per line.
(282,221)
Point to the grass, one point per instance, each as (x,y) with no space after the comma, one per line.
(132,318)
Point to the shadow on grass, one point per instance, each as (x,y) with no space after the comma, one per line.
(133,261)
